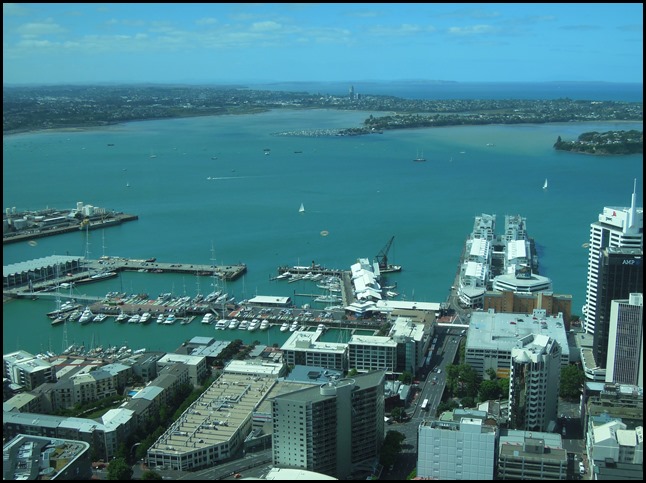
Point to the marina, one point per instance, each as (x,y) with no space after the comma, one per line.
(429,252)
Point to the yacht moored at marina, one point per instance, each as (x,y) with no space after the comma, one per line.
(244,325)
(264,325)
(208,318)
(170,320)
(134,319)
(284,327)
(221,324)
(233,324)
(253,325)
(160,319)
(145,318)
(99,317)
(86,316)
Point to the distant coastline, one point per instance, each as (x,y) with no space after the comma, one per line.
(86,107)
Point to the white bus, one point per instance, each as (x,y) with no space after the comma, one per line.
(425,405)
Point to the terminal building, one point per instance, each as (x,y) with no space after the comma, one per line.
(26,274)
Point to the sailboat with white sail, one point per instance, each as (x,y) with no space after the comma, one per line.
(545,184)
(302,208)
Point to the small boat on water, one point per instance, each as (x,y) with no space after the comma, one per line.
(59,320)
(264,325)
(293,327)
(284,327)
(160,319)
(99,317)
(208,318)
(302,208)
(122,317)
(221,324)
(134,319)
(545,184)
(420,159)
(145,318)
(170,320)
(255,323)
(233,324)
(244,325)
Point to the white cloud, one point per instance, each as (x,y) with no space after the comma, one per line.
(36,29)
(265,26)
(206,21)
(473,30)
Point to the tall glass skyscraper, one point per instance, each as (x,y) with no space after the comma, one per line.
(617,227)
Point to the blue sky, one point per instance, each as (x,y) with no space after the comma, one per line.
(255,43)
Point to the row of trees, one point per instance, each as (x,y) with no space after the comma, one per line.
(463,382)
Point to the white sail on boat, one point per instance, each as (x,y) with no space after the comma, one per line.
(301,209)
(545,184)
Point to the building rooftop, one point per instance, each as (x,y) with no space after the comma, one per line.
(489,330)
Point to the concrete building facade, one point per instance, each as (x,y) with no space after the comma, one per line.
(334,428)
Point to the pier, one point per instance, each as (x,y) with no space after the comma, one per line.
(41,231)
(16,284)
(224,272)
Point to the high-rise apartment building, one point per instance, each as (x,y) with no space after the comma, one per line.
(332,428)
(534,384)
(616,227)
(625,362)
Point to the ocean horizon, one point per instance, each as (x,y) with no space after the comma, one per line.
(211,193)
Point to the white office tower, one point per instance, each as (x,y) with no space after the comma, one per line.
(625,362)
(617,227)
(534,384)
(463,448)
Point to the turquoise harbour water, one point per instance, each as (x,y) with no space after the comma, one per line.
(361,190)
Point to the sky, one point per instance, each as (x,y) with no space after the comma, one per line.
(53,43)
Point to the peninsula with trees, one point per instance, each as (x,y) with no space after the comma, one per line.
(605,143)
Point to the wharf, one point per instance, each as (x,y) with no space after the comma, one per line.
(41,232)
(224,272)
(116,265)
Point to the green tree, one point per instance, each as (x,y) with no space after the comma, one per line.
(572,379)
(488,390)
(352,372)
(391,448)
(491,372)
(397,413)
(118,469)
(151,475)
(406,377)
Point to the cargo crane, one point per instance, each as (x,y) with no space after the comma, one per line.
(382,259)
